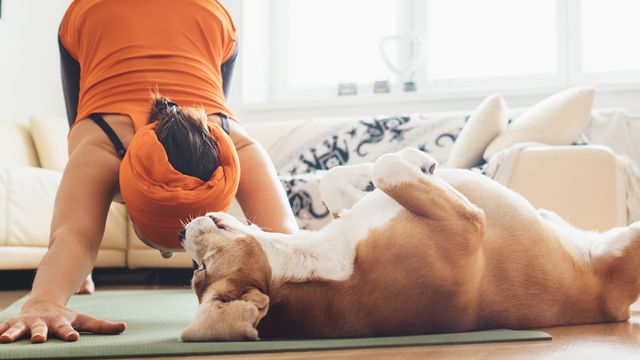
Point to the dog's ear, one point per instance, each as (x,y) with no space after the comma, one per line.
(223,319)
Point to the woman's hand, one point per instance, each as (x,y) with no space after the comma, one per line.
(38,319)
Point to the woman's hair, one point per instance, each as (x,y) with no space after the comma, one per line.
(183,133)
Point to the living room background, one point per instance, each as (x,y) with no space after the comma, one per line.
(261,92)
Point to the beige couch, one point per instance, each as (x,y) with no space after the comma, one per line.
(583,184)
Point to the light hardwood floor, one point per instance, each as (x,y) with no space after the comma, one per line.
(602,341)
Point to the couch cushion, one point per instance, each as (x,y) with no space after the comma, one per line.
(486,122)
(50,138)
(556,120)
(16,145)
(27,195)
(27,257)
(26,205)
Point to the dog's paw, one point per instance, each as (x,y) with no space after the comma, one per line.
(343,186)
(402,166)
(223,321)
(421,159)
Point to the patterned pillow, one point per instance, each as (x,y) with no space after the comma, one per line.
(304,197)
(362,140)
(308,151)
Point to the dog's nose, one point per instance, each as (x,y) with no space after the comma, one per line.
(182,235)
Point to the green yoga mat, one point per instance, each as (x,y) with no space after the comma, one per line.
(155,319)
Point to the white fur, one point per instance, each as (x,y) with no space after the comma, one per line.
(195,228)
(328,253)
(343,186)
(612,242)
(385,168)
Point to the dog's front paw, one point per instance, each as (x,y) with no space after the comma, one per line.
(421,159)
(343,186)
(220,321)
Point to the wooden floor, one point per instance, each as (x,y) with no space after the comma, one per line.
(602,341)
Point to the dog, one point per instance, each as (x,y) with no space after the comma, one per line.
(413,250)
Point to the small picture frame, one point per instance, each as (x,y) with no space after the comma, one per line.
(381,87)
(348,88)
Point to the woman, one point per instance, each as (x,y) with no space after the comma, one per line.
(114,53)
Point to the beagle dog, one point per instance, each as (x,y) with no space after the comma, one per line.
(412,251)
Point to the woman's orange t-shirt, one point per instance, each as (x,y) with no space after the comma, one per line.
(129,48)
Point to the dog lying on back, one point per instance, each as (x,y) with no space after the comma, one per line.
(413,251)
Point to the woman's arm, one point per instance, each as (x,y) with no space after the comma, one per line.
(80,212)
(260,193)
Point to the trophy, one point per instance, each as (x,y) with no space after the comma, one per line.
(406,65)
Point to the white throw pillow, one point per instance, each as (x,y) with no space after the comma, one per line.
(487,121)
(556,120)
(50,138)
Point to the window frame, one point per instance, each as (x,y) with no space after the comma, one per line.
(410,17)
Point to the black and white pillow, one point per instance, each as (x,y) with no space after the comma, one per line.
(308,151)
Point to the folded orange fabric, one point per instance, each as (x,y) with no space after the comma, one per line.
(160,199)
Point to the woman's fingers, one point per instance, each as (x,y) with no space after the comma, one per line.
(17,331)
(59,326)
(85,322)
(62,329)
(5,326)
(38,330)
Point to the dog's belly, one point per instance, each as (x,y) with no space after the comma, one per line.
(409,278)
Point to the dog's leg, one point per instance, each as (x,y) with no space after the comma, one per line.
(406,177)
(616,258)
(343,186)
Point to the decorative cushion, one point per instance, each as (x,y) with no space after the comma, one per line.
(556,120)
(303,192)
(321,144)
(27,196)
(317,145)
(50,138)
(16,145)
(487,121)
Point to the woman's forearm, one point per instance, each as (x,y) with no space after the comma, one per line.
(62,270)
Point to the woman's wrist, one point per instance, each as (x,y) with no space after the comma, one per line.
(38,301)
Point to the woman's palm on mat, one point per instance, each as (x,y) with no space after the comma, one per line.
(42,318)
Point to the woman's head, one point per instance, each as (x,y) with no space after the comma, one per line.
(176,167)
(185,137)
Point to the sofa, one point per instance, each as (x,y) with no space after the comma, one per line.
(581,183)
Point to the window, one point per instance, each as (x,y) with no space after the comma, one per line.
(465,45)
(327,44)
(470,39)
(610,32)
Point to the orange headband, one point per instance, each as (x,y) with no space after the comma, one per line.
(160,199)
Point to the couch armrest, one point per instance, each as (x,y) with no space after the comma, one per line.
(583,184)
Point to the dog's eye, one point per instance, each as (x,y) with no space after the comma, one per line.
(370,187)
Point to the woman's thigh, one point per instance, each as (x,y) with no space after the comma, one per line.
(89,182)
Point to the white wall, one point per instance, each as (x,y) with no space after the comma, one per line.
(29,65)
(30,76)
